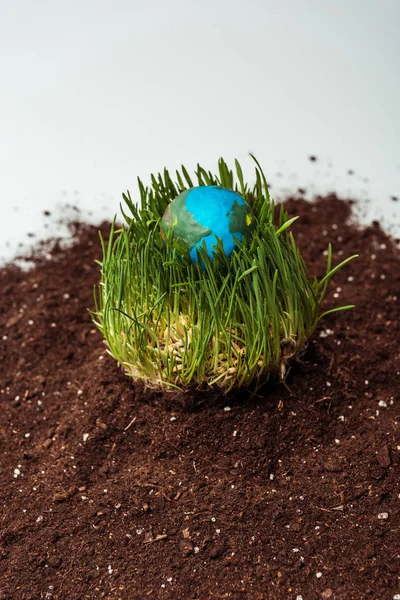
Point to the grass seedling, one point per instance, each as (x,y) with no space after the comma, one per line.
(224,322)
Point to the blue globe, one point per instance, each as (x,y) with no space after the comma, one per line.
(205,213)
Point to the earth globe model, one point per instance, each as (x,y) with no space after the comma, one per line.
(206,213)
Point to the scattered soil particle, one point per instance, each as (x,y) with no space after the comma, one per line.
(292,493)
(383,457)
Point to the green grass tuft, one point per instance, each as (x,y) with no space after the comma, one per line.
(224,323)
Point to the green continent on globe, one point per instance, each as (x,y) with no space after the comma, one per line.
(240,219)
(183,222)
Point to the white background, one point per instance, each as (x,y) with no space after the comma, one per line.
(95,92)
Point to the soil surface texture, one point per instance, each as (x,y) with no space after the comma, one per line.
(109,491)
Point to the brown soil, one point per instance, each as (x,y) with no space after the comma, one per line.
(295,493)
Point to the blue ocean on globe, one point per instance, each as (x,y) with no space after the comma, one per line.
(205,213)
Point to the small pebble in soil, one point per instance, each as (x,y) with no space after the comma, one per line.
(318,575)
(324,334)
(227,408)
(383,515)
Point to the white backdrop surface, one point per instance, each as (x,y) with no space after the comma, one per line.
(94,93)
